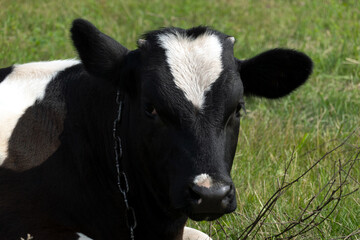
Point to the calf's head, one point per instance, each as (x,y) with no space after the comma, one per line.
(184,96)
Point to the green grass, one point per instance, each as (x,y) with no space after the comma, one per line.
(316,117)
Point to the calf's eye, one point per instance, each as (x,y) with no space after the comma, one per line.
(150,111)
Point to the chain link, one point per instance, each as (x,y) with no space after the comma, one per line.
(122,180)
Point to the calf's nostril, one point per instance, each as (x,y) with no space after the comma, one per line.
(210,196)
(211,203)
(228,197)
(194,196)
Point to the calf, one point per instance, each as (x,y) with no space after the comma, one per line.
(129,143)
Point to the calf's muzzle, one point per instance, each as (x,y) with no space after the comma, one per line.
(211,203)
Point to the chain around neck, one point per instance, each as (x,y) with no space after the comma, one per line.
(122,180)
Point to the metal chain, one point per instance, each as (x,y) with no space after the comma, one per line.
(122,180)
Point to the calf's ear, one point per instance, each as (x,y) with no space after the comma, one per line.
(274,73)
(101,55)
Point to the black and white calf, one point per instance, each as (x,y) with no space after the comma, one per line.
(182,93)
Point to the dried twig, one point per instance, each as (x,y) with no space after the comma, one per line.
(307,219)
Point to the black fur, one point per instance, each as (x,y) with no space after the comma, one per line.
(42,123)
(275,73)
(60,176)
(4,72)
(101,55)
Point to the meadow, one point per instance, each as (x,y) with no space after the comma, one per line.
(297,130)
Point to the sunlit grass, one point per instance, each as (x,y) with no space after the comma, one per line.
(317,116)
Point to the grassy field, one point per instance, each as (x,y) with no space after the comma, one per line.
(301,127)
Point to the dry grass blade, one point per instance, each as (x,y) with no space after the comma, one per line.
(354,233)
(310,217)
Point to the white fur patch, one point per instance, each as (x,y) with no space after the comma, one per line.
(20,89)
(194,63)
(193,234)
(203,180)
(83,237)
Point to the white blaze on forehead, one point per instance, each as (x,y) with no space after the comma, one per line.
(194,63)
(203,180)
(20,89)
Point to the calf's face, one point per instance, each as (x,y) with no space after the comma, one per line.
(186,91)
(191,97)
